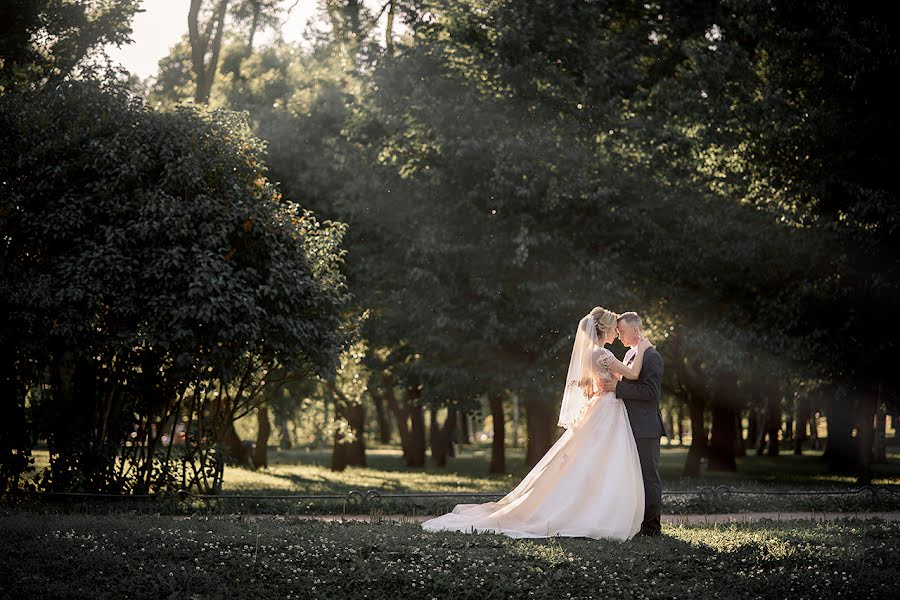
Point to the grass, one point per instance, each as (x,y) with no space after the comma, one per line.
(305,471)
(308,472)
(134,556)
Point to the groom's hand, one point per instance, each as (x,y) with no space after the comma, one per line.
(608,385)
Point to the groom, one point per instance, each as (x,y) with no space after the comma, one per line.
(641,399)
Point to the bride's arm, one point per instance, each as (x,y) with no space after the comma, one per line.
(632,372)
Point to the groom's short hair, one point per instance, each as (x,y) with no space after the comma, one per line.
(631,318)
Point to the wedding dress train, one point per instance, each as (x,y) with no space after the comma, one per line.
(587,485)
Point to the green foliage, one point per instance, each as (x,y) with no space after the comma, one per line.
(719,167)
(752,139)
(163,222)
(465,196)
(780,106)
(147,257)
(41,40)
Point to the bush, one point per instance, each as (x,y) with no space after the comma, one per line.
(148,262)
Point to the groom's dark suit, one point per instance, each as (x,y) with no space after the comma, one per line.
(641,399)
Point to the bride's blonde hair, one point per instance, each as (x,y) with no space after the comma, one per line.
(604,320)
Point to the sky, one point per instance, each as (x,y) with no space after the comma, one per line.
(163,22)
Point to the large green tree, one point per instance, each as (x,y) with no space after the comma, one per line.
(42,40)
(150,270)
(759,125)
(714,165)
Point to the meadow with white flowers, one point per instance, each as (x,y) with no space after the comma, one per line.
(129,556)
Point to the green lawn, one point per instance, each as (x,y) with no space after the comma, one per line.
(132,556)
(305,469)
(308,472)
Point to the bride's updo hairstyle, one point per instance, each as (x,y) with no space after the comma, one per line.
(604,320)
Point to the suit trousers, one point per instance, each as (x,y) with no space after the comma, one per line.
(648,454)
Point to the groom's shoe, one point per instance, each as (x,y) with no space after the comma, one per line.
(649,532)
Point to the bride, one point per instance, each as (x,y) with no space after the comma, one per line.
(589,483)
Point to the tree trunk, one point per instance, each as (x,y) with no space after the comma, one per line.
(771,421)
(438,438)
(740,450)
(416,456)
(356,416)
(452,427)
(840,447)
(881,429)
(254,26)
(348,452)
(801,410)
(760,430)
(814,441)
(894,423)
(239,451)
(401,417)
(774,425)
(415,453)
(384,422)
(465,430)
(389,28)
(498,448)
(789,428)
(752,427)
(724,415)
(263,431)
(515,423)
(541,427)
(698,436)
(866,409)
(321,440)
(670,438)
(722,440)
(284,434)
(680,421)
(208,40)
(198,47)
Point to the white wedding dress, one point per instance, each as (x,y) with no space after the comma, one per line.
(587,485)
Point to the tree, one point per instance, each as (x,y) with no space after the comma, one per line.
(207,24)
(42,40)
(205,30)
(512,164)
(724,434)
(168,278)
(347,389)
(771,105)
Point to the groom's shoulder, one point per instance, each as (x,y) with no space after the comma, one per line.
(652,351)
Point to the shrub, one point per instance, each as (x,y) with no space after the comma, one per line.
(147,263)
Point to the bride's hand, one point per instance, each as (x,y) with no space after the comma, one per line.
(644,344)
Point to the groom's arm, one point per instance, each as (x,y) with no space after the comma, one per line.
(646,389)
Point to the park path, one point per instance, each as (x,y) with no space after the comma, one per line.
(694,519)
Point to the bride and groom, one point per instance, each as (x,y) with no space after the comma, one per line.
(601,478)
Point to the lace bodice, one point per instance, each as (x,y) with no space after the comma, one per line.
(603,358)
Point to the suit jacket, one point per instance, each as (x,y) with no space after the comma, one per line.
(642,397)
